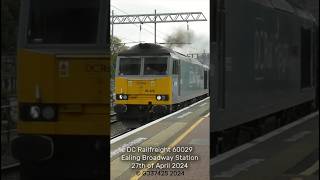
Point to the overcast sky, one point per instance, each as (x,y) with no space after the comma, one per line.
(131,33)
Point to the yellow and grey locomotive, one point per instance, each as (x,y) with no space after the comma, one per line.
(151,80)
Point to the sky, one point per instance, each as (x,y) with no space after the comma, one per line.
(131,34)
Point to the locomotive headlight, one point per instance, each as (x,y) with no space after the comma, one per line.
(34,112)
(125,97)
(122,97)
(162,97)
(48,112)
(39,112)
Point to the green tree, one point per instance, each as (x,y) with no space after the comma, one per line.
(116,46)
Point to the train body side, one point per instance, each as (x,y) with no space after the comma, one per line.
(264,61)
(194,82)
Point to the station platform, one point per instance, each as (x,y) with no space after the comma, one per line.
(151,151)
(288,153)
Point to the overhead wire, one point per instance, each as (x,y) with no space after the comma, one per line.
(132,24)
(146,30)
(136,25)
(160,36)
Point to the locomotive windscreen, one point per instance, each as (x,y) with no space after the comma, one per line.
(63,22)
(129,66)
(155,66)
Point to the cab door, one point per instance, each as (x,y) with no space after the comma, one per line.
(176,78)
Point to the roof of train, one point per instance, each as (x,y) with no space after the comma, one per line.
(146,49)
(150,49)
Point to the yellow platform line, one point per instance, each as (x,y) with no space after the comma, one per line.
(311,169)
(180,138)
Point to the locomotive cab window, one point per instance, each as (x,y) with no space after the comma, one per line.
(63,22)
(155,66)
(129,66)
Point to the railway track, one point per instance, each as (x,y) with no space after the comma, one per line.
(112,118)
